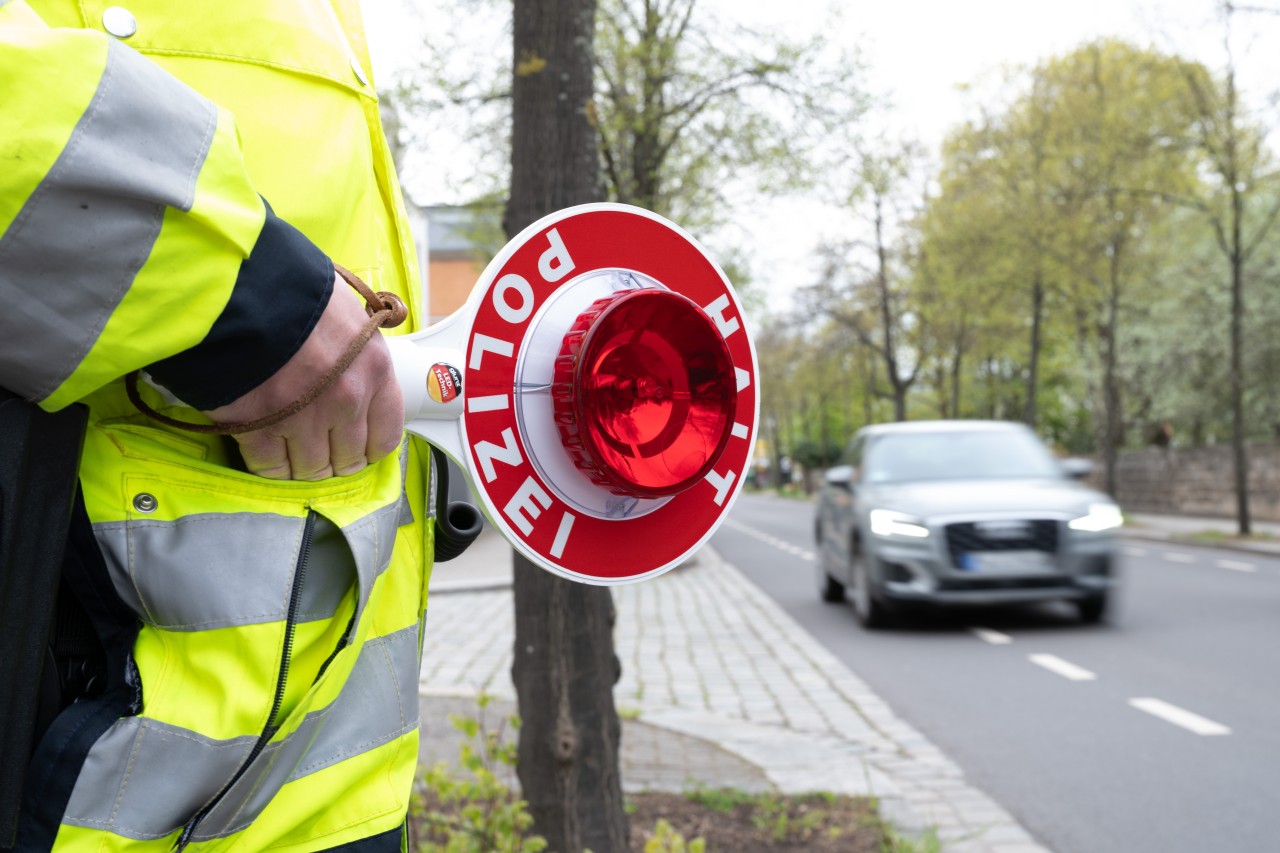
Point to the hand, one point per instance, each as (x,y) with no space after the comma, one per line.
(357,421)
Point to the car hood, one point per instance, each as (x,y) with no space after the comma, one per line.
(963,497)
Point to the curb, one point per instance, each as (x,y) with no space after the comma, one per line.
(1228,544)
(793,762)
(853,743)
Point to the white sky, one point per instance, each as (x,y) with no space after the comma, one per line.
(918,52)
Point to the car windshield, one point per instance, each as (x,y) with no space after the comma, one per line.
(958,455)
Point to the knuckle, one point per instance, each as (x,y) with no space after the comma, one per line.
(384,445)
(321,474)
(347,397)
(351,467)
(271,472)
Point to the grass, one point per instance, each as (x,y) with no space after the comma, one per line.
(817,821)
(1215,536)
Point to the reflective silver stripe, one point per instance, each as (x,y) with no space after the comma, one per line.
(237,568)
(205,571)
(74,249)
(143,779)
(371,540)
(378,705)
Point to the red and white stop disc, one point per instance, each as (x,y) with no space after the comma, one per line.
(564,515)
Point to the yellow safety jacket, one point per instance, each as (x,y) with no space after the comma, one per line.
(157,160)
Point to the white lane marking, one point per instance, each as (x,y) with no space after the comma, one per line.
(1134,552)
(780,544)
(1066,669)
(1174,557)
(1237,566)
(995,638)
(1179,717)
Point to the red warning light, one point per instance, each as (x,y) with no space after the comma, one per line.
(644,393)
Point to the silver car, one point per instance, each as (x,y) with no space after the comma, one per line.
(961,512)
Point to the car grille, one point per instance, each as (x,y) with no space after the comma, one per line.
(970,584)
(1004,535)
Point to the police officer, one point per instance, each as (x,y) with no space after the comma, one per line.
(177,182)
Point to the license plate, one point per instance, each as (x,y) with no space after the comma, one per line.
(1007,562)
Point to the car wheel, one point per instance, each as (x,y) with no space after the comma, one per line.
(869,610)
(829,588)
(1092,609)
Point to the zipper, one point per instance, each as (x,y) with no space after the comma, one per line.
(343,642)
(286,656)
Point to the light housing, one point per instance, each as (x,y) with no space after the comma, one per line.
(643,393)
(886,522)
(1101,516)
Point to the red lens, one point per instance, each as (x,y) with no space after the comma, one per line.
(644,393)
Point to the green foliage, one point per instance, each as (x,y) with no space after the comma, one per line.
(1067,186)
(784,820)
(667,840)
(926,843)
(470,809)
(722,800)
(815,454)
(780,819)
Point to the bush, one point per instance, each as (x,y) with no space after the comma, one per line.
(667,840)
(472,811)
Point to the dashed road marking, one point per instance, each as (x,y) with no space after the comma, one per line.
(780,544)
(1237,566)
(1175,557)
(1066,669)
(995,638)
(1180,717)
(1130,551)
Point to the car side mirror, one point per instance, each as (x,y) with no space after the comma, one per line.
(841,477)
(1077,468)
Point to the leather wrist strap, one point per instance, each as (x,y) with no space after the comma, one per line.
(385,311)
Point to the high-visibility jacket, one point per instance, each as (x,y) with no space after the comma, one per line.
(174,180)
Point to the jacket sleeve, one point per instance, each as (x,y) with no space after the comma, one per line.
(130,233)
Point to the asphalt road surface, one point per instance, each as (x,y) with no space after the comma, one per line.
(1157,732)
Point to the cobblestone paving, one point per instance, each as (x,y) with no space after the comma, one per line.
(708,658)
(653,758)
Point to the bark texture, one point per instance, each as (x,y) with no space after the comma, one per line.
(565,666)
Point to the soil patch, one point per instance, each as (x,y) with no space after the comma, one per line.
(738,822)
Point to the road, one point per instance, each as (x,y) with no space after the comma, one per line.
(1157,732)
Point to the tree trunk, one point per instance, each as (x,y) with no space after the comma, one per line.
(1240,452)
(957,372)
(889,348)
(1033,369)
(564,667)
(1111,393)
(564,670)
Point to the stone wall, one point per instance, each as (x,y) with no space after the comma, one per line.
(1195,481)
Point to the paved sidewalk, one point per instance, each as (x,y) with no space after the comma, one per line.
(720,687)
(1201,530)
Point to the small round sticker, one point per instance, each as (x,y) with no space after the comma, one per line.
(444,382)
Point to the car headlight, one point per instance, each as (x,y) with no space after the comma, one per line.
(1101,517)
(886,522)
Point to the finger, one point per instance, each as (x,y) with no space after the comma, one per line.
(307,441)
(385,421)
(347,442)
(265,454)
